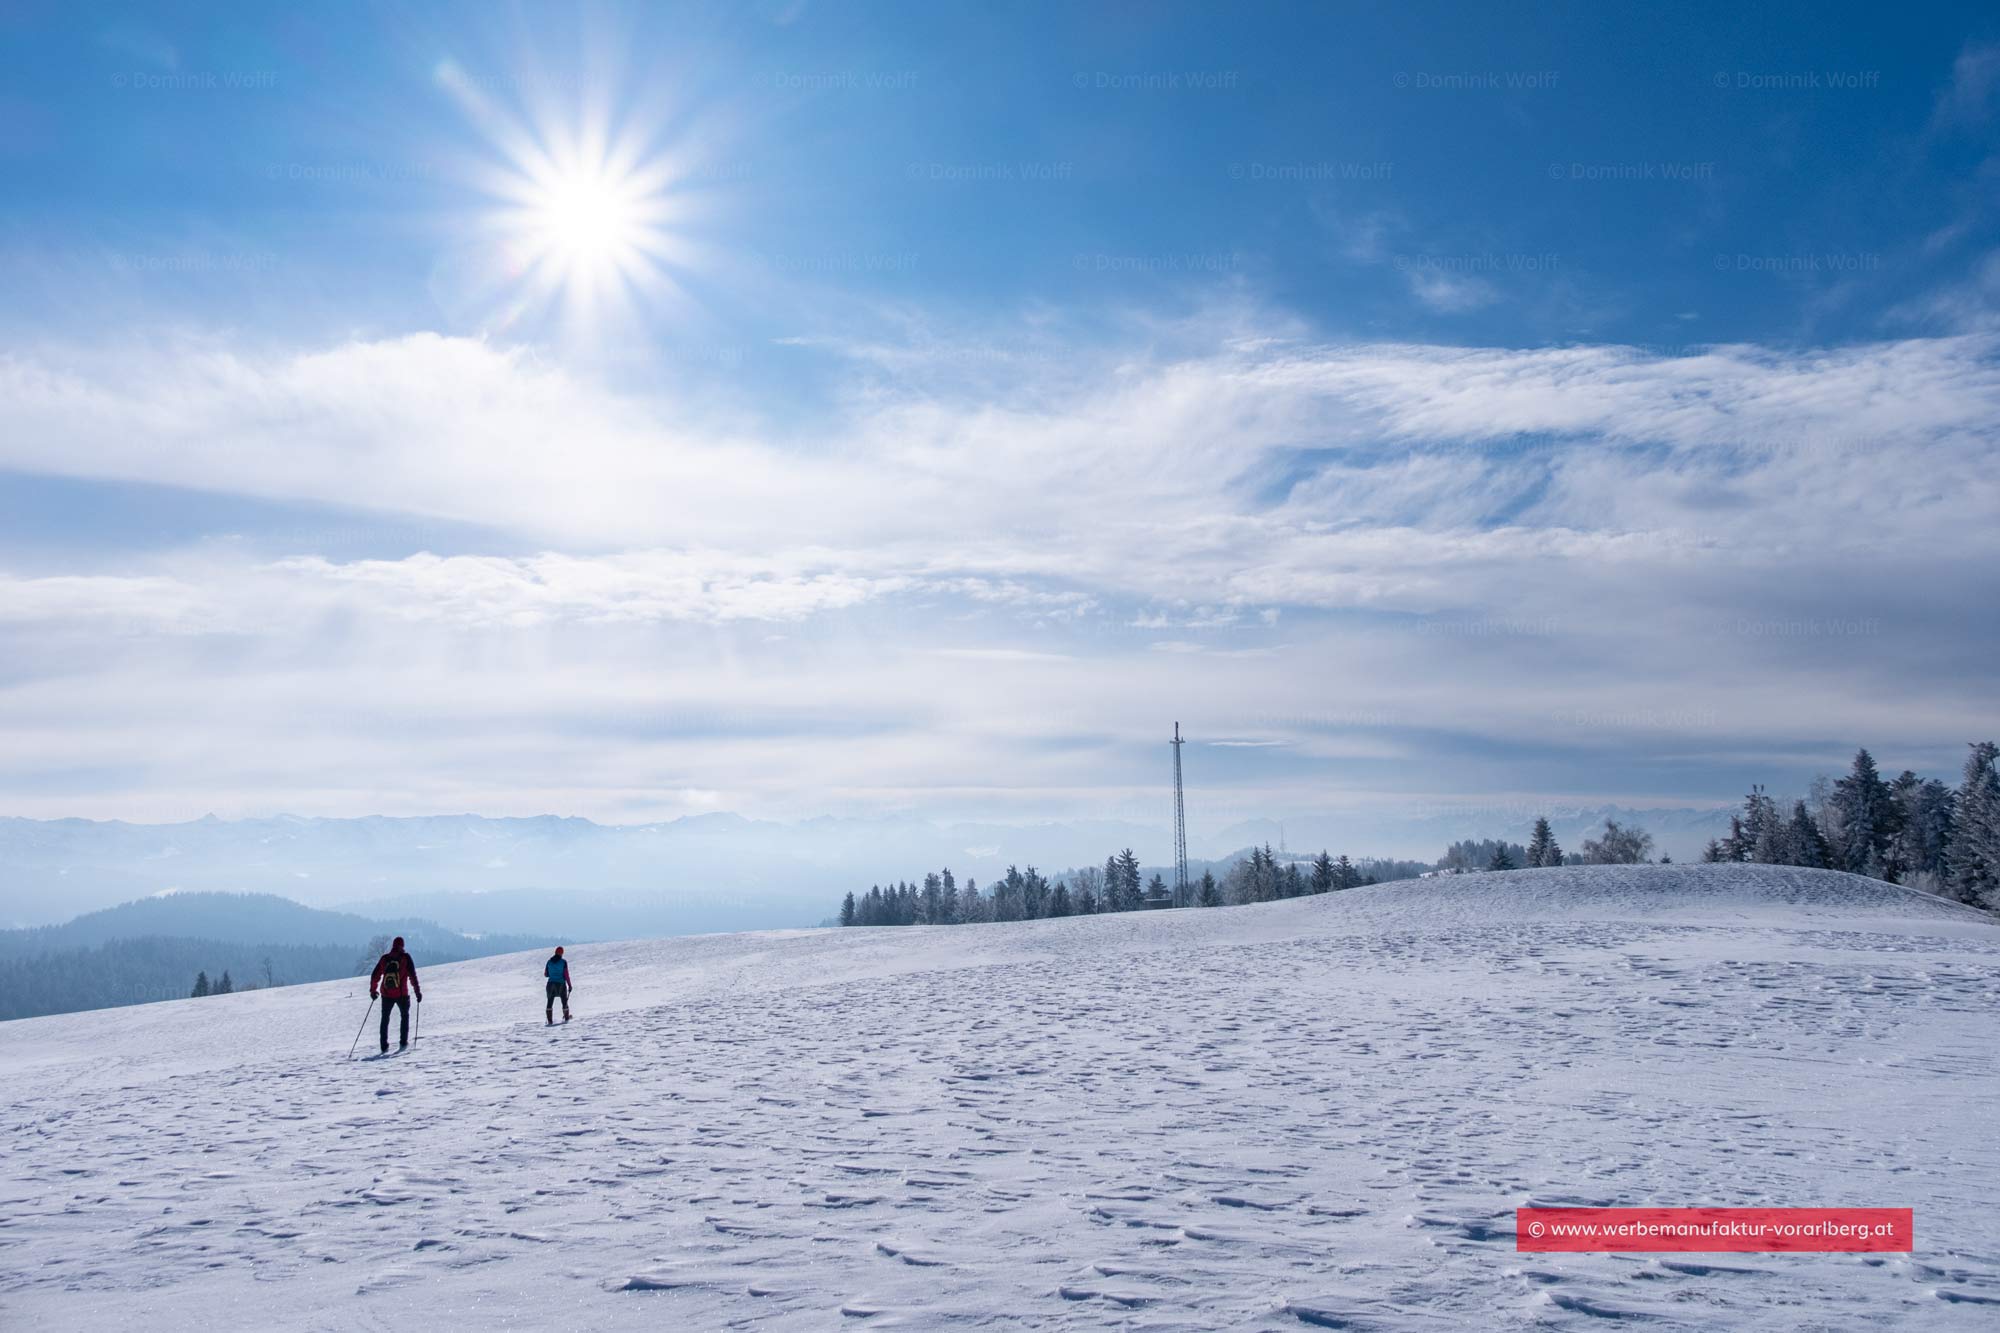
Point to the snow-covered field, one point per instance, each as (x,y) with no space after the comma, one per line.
(1319,1113)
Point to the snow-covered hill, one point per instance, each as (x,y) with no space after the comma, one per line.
(1318,1113)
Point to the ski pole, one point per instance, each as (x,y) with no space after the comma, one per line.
(418,1026)
(363,1028)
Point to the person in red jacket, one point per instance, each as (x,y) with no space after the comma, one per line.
(395,980)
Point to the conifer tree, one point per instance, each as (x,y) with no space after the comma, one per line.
(1059,902)
(200,984)
(1542,849)
(847,909)
(1501,861)
(1034,895)
(1975,846)
(1208,895)
(1344,874)
(224,986)
(1127,893)
(1322,873)
(1803,842)
(1862,819)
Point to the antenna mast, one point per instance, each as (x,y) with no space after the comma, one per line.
(1180,826)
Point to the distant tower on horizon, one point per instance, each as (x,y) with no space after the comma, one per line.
(1180,826)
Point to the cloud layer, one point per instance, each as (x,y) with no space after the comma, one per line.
(1743,551)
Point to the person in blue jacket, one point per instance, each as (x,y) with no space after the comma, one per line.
(556,970)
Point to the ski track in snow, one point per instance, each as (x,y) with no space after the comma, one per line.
(1314,1114)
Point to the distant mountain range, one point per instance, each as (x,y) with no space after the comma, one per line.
(550,875)
(250,919)
(153,949)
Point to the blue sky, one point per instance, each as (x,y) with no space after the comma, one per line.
(796,408)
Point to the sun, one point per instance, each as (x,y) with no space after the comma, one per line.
(588,228)
(586,225)
(586,221)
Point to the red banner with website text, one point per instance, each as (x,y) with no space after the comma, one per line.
(1847,1230)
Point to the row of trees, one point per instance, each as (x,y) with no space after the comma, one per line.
(1121,886)
(1614,845)
(1907,830)
(224,986)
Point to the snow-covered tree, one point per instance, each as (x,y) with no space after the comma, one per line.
(1125,892)
(1059,900)
(1616,845)
(847,909)
(1322,873)
(971,905)
(1863,818)
(1034,895)
(1975,844)
(1542,848)
(1500,860)
(1208,895)
(1761,833)
(1804,844)
(1919,849)
(1477,853)
(1009,895)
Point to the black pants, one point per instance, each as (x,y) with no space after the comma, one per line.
(557,991)
(388,1003)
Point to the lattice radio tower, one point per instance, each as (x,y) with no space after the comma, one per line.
(1180,826)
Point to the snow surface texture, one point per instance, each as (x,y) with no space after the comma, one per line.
(1312,1114)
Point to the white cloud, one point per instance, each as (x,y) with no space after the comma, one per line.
(1451,293)
(1975,77)
(1614,519)
(635,587)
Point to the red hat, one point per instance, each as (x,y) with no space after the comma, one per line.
(559,951)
